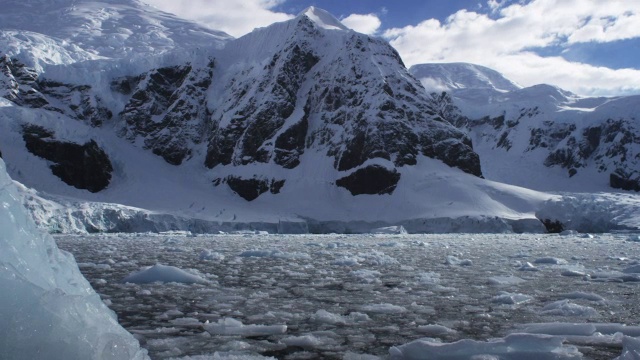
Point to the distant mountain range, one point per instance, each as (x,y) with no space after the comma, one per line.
(125,118)
(541,137)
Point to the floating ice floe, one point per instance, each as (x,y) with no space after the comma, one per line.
(452,260)
(163,273)
(632,269)
(511,298)
(634,238)
(325,317)
(368,276)
(229,326)
(211,255)
(278,254)
(436,330)
(505,280)
(383,309)
(512,347)
(566,308)
(630,349)
(551,261)
(312,341)
(390,230)
(527,266)
(583,296)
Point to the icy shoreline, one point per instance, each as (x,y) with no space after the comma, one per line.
(586,213)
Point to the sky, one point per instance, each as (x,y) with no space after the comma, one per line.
(589,47)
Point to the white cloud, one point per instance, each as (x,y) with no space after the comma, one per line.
(366,24)
(237,17)
(503,41)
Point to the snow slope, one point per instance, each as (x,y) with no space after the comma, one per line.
(111,28)
(48,309)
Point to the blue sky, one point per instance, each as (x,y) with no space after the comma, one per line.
(590,47)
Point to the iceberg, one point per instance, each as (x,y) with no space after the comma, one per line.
(47,308)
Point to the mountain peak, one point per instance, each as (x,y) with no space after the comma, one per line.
(323,18)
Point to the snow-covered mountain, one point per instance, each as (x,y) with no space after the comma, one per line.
(541,137)
(303,125)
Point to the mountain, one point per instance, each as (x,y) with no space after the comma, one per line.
(541,137)
(300,126)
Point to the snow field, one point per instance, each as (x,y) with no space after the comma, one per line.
(366,296)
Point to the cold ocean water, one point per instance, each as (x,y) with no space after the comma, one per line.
(364,296)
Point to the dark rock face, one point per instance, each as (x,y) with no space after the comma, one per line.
(23,86)
(167,109)
(620,179)
(371,180)
(84,166)
(351,111)
(251,189)
(261,108)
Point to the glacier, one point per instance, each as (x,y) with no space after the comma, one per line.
(49,310)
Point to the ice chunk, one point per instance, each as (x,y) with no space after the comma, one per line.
(528,267)
(390,230)
(435,330)
(512,347)
(162,273)
(583,295)
(560,329)
(505,280)
(634,238)
(325,317)
(511,299)
(353,356)
(632,269)
(452,260)
(47,308)
(384,309)
(309,341)
(369,276)
(550,260)
(230,326)
(274,254)
(573,273)
(630,349)
(565,308)
(211,255)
